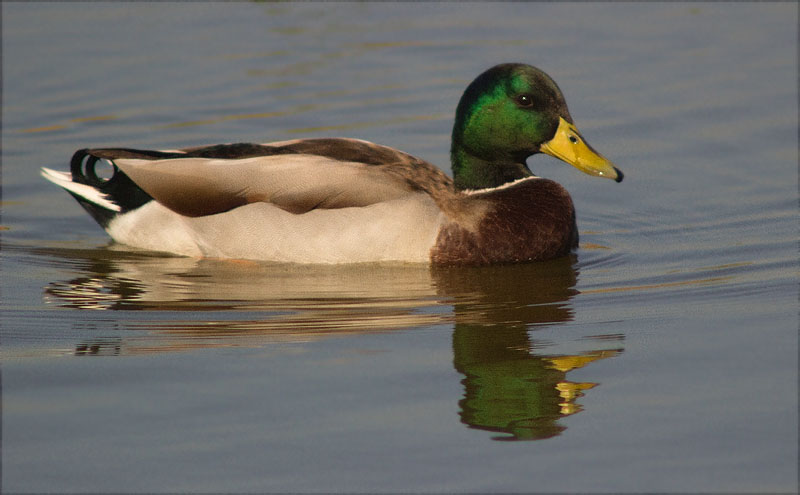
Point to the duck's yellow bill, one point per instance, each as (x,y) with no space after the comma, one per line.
(568,145)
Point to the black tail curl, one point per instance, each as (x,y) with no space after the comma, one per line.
(83,171)
(119,188)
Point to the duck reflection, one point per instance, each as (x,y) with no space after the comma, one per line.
(213,303)
(514,383)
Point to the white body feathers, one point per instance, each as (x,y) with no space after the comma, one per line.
(402,230)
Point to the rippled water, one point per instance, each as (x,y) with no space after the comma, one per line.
(661,356)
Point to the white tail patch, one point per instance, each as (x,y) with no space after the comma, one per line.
(89,193)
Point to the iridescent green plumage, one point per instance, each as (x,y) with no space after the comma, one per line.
(504,116)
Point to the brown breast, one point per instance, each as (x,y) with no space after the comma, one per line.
(531,220)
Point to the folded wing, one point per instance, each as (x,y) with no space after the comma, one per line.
(297,176)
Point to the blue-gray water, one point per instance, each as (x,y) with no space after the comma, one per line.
(661,356)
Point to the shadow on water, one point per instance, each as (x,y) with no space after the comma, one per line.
(514,383)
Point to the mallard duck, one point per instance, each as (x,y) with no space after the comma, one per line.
(341,200)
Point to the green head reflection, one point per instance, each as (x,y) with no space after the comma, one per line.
(512,384)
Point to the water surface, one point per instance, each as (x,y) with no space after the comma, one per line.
(660,356)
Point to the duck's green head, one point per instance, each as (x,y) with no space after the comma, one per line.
(509,113)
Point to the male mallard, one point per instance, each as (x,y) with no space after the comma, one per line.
(338,200)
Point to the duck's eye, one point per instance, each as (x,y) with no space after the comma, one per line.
(525,100)
(573,140)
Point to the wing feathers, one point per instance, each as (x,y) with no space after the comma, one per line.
(296,183)
(297,175)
